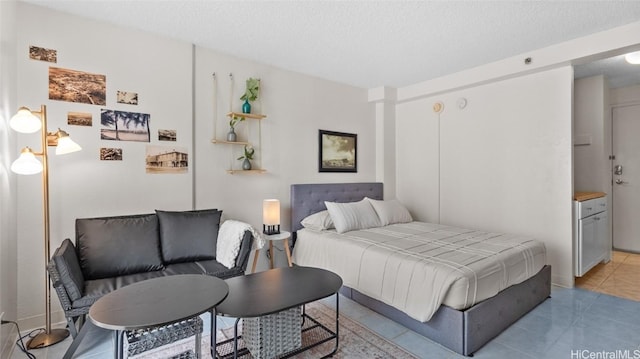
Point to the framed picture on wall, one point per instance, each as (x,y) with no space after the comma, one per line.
(338,152)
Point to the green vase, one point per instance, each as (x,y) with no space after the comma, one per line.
(246,107)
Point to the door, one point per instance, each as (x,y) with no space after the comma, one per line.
(626,178)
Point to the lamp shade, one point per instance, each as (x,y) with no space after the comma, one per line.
(27,163)
(24,121)
(271,216)
(271,212)
(66,144)
(633,58)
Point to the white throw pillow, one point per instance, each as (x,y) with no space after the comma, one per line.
(390,211)
(319,221)
(353,215)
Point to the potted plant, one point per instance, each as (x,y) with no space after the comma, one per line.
(231,136)
(247,157)
(251,93)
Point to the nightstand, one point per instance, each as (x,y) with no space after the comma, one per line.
(282,236)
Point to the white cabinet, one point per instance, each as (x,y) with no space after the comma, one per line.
(591,234)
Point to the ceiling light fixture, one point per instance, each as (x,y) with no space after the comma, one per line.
(633,58)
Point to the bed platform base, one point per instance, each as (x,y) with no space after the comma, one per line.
(467,331)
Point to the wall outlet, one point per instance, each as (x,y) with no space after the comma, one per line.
(1,316)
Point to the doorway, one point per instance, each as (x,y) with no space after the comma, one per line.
(618,134)
(625,145)
(620,276)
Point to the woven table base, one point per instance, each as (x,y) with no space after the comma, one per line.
(141,342)
(271,335)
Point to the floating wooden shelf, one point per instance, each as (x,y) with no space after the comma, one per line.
(246,171)
(254,116)
(248,130)
(230,143)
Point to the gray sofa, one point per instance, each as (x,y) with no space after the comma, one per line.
(112,252)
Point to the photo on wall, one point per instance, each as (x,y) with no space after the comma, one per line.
(129,98)
(42,54)
(110,154)
(124,126)
(77,86)
(166,160)
(167,135)
(337,152)
(80,119)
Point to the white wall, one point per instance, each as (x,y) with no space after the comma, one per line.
(8,237)
(162,72)
(296,106)
(81,185)
(591,106)
(418,159)
(424,170)
(624,95)
(504,160)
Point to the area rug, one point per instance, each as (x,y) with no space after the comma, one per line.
(356,341)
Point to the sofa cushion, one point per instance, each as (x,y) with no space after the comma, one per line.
(188,236)
(66,261)
(95,289)
(183,268)
(115,246)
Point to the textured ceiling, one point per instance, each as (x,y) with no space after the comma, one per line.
(364,43)
(616,70)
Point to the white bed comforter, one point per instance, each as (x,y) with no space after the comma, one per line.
(415,267)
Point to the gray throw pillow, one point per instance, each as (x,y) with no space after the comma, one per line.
(115,246)
(189,236)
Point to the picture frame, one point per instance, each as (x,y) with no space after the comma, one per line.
(338,151)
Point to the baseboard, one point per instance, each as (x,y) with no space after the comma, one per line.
(37,321)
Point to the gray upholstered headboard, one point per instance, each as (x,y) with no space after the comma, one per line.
(307,199)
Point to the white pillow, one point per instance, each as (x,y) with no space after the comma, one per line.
(353,215)
(390,211)
(319,221)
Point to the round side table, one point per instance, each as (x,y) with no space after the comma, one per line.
(282,236)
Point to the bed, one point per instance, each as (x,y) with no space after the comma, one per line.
(466,321)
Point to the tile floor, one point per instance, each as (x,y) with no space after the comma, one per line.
(620,277)
(572,324)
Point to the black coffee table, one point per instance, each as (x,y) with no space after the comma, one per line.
(154,303)
(276,290)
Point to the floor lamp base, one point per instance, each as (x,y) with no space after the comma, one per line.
(47,339)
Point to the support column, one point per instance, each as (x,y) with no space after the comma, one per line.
(384,99)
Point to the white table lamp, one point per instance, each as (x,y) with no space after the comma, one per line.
(271,216)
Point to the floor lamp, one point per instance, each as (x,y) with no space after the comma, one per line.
(27,121)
